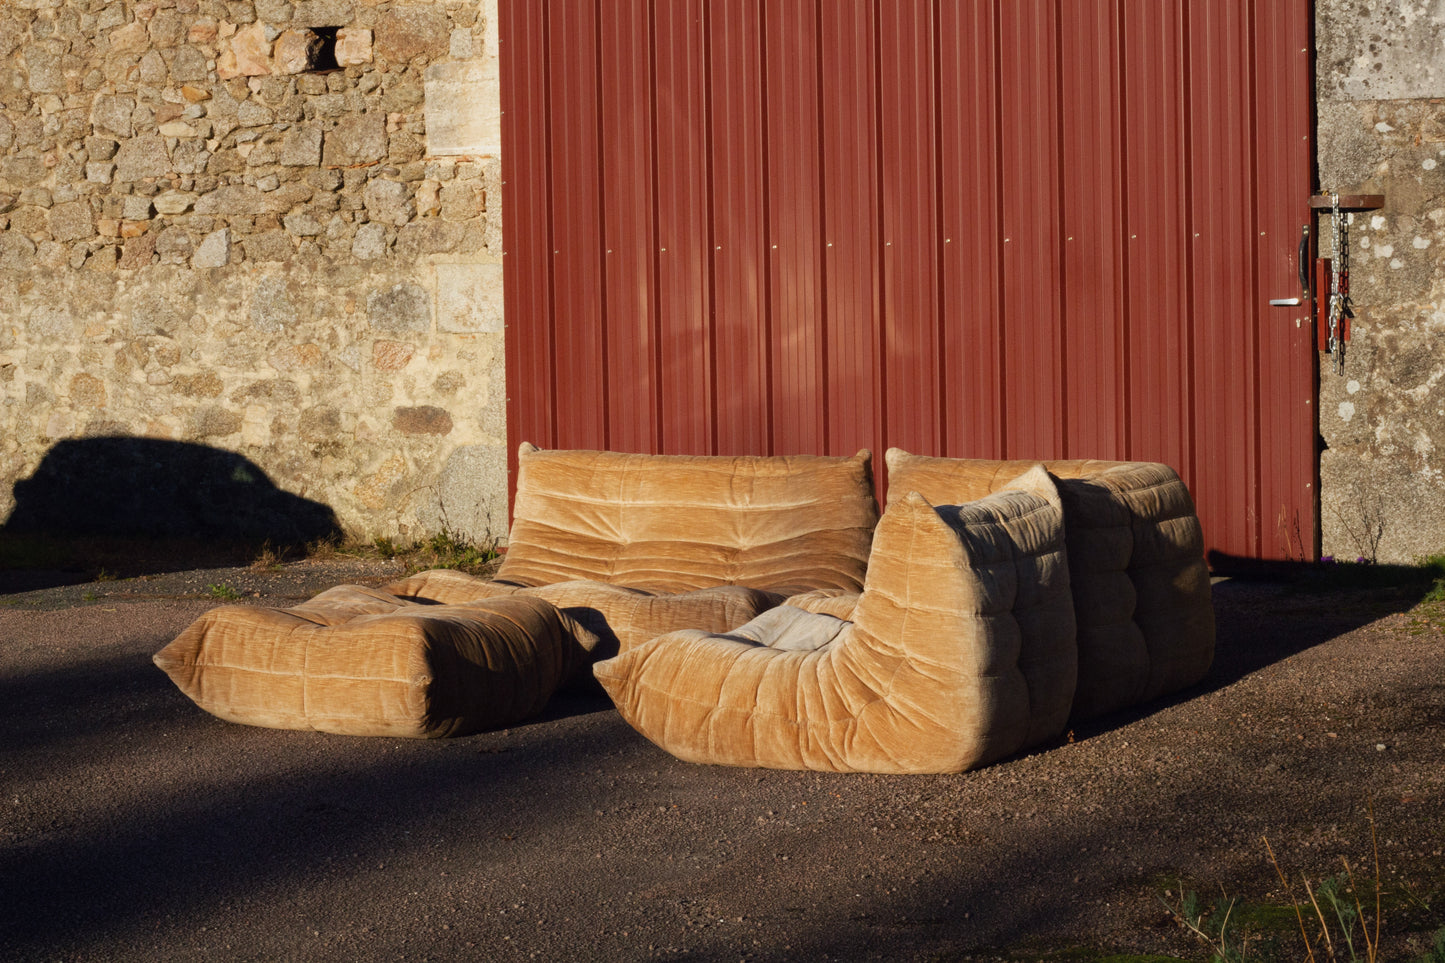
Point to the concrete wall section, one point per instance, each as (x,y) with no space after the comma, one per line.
(210,233)
(1381,104)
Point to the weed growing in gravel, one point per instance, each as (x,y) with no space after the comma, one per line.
(1426,576)
(1339,919)
(223,591)
(269,558)
(1434,566)
(1212,926)
(1436,952)
(446,549)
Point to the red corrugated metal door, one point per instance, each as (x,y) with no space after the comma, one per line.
(1006,228)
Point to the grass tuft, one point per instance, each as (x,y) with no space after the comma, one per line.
(445,549)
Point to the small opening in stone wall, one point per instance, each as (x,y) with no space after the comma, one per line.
(325,58)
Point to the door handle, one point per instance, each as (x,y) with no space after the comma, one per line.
(1284,302)
(1303,262)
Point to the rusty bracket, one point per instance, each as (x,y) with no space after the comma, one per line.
(1348,202)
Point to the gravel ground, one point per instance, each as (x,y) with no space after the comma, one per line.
(133,826)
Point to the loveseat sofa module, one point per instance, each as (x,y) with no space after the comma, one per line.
(1136,561)
(359,661)
(638,545)
(960,651)
(677,523)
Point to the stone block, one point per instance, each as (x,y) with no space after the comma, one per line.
(1381,51)
(388,201)
(206,384)
(248,54)
(422,420)
(130,40)
(302,224)
(319,423)
(369,243)
(113,114)
(356,139)
(405,33)
(295,50)
(252,114)
(269,246)
(323,13)
(137,252)
(214,251)
(294,357)
(353,46)
(189,65)
(472,494)
(42,61)
(153,70)
(136,208)
(301,147)
(469,298)
(213,421)
(391,355)
(271,307)
(72,222)
(202,31)
(173,202)
(463,109)
(142,156)
(400,308)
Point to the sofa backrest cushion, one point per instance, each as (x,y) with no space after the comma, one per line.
(675,523)
(1136,559)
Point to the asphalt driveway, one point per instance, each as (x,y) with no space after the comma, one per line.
(133,826)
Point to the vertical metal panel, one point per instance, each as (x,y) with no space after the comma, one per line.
(739,229)
(1221,249)
(795,228)
(527,255)
(1029,150)
(970,222)
(852,270)
(1155,223)
(1287,390)
(1093,245)
(909,181)
(635,402)
(576,231)
(684,282)
(1025,228)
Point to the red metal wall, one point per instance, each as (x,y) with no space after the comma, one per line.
(1017,228)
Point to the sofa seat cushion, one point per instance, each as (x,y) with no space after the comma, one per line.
(359,661)
(677,523)
(619,616)
(961,652)
(834,602)
(1136,560)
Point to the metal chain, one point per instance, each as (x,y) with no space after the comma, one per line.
(1339,307)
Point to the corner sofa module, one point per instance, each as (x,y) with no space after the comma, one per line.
(1136,562)
(634,545)
(359,661)
(960,651)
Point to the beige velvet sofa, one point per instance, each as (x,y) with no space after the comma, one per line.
(606,551)
(1141,588)
(634,546)
(960,650)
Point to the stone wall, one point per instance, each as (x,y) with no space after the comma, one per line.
(1382,130)
(260,226)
